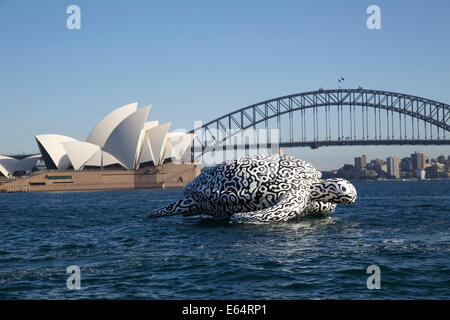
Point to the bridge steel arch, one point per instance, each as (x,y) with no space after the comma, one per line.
(213,134)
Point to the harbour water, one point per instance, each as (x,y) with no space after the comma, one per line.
(402,227)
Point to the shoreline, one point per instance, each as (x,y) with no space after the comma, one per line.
(162,186)
(398,180)
(165,176)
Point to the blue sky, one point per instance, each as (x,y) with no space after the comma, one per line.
(197,60)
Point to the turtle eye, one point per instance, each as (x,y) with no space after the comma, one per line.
(344,189)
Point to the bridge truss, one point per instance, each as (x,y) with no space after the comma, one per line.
(329,118)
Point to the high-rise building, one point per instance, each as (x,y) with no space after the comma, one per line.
(418,160)
(361,162)
(377,162)
(420,174)
(393,167)
(406,164)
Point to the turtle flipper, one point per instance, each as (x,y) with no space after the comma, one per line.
(186,206)
(292,205)
(320,209)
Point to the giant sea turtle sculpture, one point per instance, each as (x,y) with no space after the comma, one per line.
(261,188)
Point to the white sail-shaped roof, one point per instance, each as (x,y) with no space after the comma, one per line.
(8,165)
(53,146)
(143,153)
(106,126)
(80,152)
(149,125)
(124,141)
(177,144)
(102,158)
(122,137)
(159,144)
(28,163)
(169,151)
(156,142)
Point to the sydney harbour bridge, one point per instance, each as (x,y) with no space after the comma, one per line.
(338,117)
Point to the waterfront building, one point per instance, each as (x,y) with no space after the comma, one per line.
(361,162)
(418,160)
(393,167)
(406,164)
(420,174)
(10,165)
(122,140)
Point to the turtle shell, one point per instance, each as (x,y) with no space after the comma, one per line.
(251,181)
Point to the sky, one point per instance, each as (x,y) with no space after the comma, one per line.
(198,60)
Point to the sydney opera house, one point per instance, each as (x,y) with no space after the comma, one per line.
(122,151)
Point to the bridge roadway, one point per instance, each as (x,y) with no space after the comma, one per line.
(324,143)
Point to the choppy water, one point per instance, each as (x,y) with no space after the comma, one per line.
(403,227)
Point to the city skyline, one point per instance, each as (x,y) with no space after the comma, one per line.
(320,157)
(416,166)
(368,160)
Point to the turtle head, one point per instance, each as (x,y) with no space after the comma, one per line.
(334,191)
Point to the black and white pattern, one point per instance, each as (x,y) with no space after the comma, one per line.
(261,188)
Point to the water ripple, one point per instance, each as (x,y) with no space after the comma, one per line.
(123,255)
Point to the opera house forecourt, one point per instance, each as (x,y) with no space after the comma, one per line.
(123,151)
